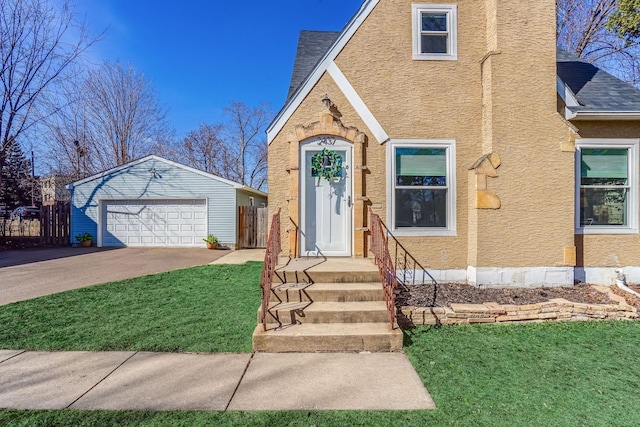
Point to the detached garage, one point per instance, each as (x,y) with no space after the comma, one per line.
(156,202)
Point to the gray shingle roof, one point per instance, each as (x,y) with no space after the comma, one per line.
(312,45)
(595,90)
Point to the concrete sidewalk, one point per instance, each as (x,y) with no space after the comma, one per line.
(241,256)
(209,382)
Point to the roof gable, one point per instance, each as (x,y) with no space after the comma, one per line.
(169,163)
(296,96)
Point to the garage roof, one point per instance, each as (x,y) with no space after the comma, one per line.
(170,163)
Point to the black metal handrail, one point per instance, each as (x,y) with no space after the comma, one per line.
(401,269)
(386,269)
(274,246)
(408,270)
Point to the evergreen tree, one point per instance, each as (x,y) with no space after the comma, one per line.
(16,175)
(626,20)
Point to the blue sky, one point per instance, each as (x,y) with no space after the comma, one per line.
(202,54)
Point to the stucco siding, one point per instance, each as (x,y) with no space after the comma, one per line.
(499,97)
(156,180)
(506,105)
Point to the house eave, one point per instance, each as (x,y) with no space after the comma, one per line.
(254,191)
(159,159)
(601,115)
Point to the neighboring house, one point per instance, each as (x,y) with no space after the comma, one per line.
(156,202)
(446,119)
(53,189)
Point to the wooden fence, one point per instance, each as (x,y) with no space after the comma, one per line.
(252,227)
(55,224)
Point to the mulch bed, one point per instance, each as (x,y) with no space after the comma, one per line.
(443,294)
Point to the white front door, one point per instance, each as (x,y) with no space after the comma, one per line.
(325,206)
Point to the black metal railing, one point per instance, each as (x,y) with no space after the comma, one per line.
(388,275)
(270,261)
(408,270)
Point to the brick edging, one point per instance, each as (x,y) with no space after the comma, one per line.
(557,309)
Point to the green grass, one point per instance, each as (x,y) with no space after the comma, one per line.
(550,374)
(553,374)
(202,309)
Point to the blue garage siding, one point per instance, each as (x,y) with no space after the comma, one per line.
(155,179)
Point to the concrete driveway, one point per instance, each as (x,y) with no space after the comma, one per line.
(31,273)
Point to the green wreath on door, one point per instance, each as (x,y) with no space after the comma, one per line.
(327,164)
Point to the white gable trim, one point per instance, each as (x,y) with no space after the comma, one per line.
(357,102)
(278,123)
(566,94)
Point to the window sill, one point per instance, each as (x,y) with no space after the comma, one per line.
(606,230)
(434,57)
(423,233)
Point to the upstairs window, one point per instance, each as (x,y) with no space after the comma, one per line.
(606,187)
(434,32)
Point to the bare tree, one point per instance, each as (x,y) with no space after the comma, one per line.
(245,159)
(124,118)
(235,149)
(583,29)
(65,135)
(39,41)
(204,149)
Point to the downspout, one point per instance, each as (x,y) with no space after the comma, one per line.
(621,282)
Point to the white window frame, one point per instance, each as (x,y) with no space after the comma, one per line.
(632,200)
(450,146)
(452,29)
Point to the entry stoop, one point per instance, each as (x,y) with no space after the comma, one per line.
(327,305)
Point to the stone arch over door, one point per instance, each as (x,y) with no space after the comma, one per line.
(328,126)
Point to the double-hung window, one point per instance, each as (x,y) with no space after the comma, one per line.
(435,31)
(607,186)
(422,187)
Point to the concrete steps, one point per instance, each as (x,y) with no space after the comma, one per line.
(328,312)
(293,276)
(319,337)
(338,292)
(333,305)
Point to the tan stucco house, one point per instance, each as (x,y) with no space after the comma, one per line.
(493,158)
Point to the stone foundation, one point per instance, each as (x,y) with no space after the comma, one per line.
(557,309)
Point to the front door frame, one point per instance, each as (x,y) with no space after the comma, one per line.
(329,125)
(317,144)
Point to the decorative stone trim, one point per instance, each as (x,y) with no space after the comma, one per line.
(329,124)
(557,309)
(485,166)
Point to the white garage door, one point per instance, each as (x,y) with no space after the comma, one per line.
(154,222)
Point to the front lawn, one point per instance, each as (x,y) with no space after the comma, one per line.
(553,374)
(549,374)
(545,374)
(202,309)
